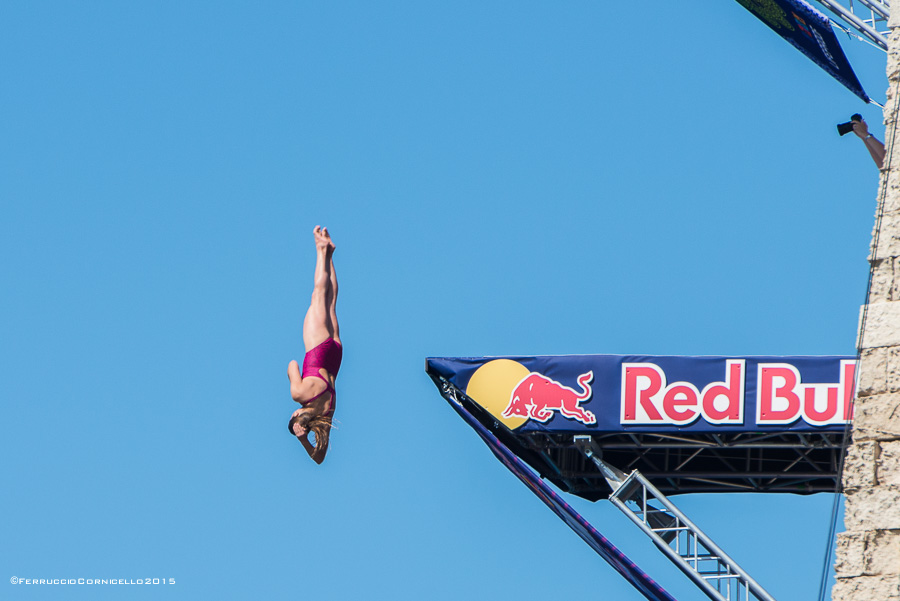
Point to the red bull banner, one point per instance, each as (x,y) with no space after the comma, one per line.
(605,549)
(621,393)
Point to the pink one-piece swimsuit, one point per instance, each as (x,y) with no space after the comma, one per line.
(325,356)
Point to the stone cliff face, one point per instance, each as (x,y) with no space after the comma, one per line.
(867,560)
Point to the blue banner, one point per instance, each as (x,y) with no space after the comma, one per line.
(810,32)
(658,394)
(615,558)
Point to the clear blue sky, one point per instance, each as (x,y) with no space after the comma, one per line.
(499,177)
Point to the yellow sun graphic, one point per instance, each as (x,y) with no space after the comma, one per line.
(491,385)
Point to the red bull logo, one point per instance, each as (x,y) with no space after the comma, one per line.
(538,397)
(772,392)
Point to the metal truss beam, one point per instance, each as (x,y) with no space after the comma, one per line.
(708,566)
(760,462)
(689,548)
(866,18)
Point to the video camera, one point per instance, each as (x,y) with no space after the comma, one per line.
(846,128)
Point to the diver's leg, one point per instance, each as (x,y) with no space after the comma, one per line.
(332,304)
(317,325)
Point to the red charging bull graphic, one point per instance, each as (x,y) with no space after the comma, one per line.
(536,396)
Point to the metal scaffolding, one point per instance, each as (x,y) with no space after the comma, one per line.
(791,462)
(688,547)
(866,19)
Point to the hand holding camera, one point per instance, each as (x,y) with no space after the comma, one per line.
(846,128)
(859,126)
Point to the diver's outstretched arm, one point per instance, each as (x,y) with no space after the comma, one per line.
(311,450)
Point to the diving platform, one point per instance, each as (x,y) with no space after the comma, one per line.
(687,423)
(674,424)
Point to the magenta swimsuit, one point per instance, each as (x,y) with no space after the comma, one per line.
(326,356)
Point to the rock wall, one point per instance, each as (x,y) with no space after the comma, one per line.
(867,559)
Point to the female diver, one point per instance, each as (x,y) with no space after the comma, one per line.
(314,387)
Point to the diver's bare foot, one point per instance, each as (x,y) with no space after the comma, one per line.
(323,239)
(327,237)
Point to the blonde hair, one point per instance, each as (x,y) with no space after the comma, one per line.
(321,427)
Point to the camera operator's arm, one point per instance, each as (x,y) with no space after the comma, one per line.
(876,148)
